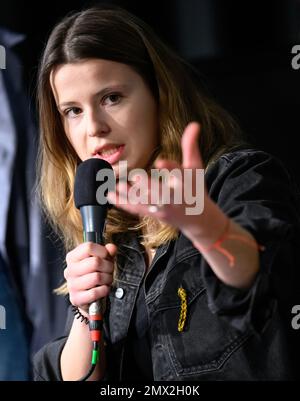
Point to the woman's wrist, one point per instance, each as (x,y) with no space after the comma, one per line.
(80,314)
(229,249)
(209,226)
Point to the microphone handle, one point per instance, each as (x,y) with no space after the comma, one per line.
(93,219)
(98,306)
(93,236)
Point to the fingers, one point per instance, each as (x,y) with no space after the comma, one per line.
(84,298)
(89,273)
(168,164)
(138,201)
(122,199)
(152,191)
(88,249)
(88,265)
(88,281)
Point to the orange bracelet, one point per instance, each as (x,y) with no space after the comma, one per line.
(224,236)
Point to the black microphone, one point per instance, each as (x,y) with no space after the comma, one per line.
(94,178)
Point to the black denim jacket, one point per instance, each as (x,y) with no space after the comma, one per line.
(229,334)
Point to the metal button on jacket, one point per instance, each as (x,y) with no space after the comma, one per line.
(119,293)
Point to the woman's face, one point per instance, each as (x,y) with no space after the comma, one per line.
(107,112)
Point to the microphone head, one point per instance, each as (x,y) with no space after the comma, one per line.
(86,184)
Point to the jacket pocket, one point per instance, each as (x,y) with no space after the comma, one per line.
(206,341)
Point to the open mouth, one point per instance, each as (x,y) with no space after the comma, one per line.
(111,155)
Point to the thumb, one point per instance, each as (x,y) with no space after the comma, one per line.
(191,157)
(111,249)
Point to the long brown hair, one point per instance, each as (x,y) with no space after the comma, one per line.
(114,34)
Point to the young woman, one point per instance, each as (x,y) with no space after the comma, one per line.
(203,296)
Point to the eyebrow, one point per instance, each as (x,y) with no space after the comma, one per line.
(101,93)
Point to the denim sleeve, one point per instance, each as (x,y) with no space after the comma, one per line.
(255,190)
(46,364)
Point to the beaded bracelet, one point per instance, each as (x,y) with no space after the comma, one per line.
(79,315)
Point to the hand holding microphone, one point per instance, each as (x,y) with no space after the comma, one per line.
(89,271)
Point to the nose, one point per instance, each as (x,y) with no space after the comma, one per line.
(96,124)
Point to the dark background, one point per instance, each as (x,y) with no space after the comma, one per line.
(242,49)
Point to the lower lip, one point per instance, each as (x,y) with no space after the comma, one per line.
(114,158)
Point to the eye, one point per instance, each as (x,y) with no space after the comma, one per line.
(111,99)
(72,112)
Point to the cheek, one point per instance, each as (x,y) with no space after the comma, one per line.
(144,123)
(77,142)
(151,131)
